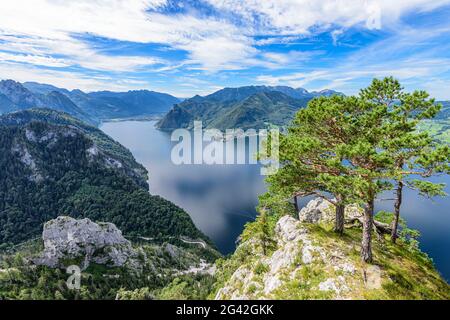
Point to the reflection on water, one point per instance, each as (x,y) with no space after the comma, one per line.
(221,199)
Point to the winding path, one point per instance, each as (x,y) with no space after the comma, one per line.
(185,240)
(200,242)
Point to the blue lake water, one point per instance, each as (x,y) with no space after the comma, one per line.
(222,198)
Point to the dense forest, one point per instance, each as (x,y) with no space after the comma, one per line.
(161,277)
(61,167)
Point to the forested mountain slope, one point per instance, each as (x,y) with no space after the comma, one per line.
(246,107)
(53,164)
(112,266)
(439,127)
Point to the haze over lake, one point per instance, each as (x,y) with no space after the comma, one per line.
(222,198)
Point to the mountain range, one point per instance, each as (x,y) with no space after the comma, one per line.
(81,189)
(245,107)
(90,107)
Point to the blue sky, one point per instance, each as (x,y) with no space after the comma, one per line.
(197,47)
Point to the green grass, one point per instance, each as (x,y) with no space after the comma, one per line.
(406,272)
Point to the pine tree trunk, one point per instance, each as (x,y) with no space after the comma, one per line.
(397,205)
(296,204)
(264,232)
(366,245)
(339,222)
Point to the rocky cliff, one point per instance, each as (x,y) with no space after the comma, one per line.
(307,260)
(53,164)
(66,239)
(111,266)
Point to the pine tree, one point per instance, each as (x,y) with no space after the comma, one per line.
(367,164)
(412,152)
(311,157)
(264,232)
(354,148)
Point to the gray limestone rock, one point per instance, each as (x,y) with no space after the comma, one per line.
(66,238)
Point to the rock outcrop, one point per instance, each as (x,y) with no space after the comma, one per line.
(321,210)
(305,259)
(319,270)
(67,239)
(296,252)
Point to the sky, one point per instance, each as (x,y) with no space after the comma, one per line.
(188,47)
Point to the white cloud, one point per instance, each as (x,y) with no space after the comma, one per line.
(290,58)
(33,59)
(347,78)
(30,49)
(218,53)
(277,40)
(335,35)
(50,33)
(49,26)
(299,16)
(66,79)
(116,19)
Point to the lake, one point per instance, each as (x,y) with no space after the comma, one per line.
(222,198)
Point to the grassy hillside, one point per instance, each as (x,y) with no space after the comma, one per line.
(322,265)
(439,129)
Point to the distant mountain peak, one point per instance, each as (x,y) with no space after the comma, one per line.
(91,107)
(10,82)
(243,107)
(41,88)
(326,92)
(10,85)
